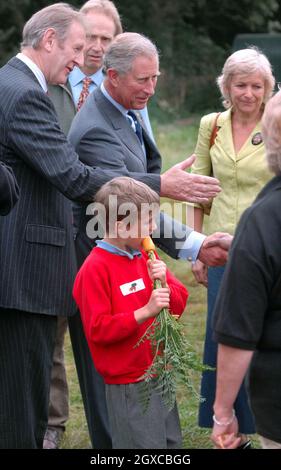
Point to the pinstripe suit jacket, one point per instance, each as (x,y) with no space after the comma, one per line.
(36,240)
(9,190)
(103,138)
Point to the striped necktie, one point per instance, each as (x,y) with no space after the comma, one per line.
(85,92)
(132,118)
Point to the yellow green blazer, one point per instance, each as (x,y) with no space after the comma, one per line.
(241,175)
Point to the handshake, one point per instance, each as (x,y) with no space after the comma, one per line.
(213,252)
(214,249)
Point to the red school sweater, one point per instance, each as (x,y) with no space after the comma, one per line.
(108,289)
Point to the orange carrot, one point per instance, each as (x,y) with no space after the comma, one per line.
(148,244)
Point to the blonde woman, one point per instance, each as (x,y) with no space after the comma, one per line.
(230,147)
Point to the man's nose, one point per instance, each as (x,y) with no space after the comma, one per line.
(79,59)
(96,44)
(150,87)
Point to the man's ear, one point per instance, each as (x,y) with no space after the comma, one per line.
(113,76)
(49,38)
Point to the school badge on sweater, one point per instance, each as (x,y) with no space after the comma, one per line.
(132,287)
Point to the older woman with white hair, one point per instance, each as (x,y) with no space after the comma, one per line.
(230,147)
(247,316)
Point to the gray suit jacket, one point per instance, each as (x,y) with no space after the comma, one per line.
(38,262)
(103,138)
(62,98)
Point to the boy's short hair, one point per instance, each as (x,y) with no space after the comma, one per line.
(123,196)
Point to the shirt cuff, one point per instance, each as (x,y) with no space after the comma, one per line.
(191,246)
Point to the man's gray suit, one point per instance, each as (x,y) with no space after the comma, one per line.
(38,262)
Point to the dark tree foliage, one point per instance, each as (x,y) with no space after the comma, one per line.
(13,14)
(223,19)
(193,36)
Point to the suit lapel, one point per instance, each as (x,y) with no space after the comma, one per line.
(225,138)
(224,135)
(120,124)
(149,143)
(249,147)
(20,65)
(67,88)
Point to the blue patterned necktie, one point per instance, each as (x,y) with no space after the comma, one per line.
(132,118)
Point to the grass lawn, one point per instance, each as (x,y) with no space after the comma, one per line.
(176,142)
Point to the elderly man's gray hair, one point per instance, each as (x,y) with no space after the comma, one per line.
(104,7)
(58,16)
(125,49)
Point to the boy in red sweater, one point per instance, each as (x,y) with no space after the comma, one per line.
(114,292)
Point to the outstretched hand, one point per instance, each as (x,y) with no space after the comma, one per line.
(177,184)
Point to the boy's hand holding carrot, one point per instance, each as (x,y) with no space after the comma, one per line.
(157,269)
(160,298)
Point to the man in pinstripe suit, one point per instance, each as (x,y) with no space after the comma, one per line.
(36,241)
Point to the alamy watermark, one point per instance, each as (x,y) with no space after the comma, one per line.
(138,220)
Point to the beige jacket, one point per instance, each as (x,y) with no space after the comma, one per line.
(241,175)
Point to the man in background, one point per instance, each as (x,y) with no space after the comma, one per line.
(103,24)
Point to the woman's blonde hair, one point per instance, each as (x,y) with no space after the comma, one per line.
(246,62)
